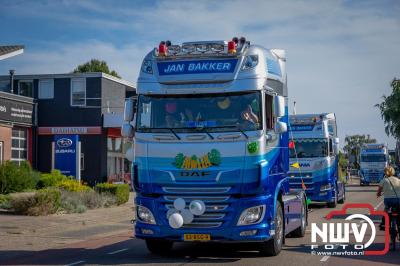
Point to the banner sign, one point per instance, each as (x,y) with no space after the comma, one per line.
(69,130)
(196,67)
(65,154)
(302,127)
(17,112)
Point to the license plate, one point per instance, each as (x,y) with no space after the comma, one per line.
(196,237)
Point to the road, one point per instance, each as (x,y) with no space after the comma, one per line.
(126,250)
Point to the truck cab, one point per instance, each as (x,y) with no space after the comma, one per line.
(210,155)
(314,157)
(373,160)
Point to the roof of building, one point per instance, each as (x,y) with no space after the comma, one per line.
(7,51)
(72,75)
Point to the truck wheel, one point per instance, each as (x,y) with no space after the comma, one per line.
(273,246)
(334,203)
(158,246)
(301,230)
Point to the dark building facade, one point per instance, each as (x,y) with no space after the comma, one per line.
(76,104)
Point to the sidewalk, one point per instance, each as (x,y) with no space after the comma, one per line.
(19,232)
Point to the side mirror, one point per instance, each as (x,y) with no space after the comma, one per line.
(336,141)
(127,130)
(336,148)
(128,110)
(279,106)
(280,127)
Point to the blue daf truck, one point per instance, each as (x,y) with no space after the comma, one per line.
(210,147)
(314,158)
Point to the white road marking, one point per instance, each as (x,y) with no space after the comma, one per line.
(76,263)
(377,206)
(117,251)
(324,258)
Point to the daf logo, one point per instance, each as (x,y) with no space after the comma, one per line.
(64,143)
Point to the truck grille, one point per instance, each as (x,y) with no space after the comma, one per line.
(295,180)
(216,205)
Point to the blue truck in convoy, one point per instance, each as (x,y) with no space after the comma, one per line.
(210,147)
(373,160)
(314,157)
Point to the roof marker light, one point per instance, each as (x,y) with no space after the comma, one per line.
(291,144)
(231,47)
(162,49)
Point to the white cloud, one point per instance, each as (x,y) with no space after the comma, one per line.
(341,56)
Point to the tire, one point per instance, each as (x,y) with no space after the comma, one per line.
(301,230)
(334,203)
(393,233)
(158,246)
(273,246)
(343,199)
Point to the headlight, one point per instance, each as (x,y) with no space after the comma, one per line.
(251,61)
(325,187)
(145,216)
(252,215)
(147,67)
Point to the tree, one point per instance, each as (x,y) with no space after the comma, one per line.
(390,110)
(96,65)
(353,145)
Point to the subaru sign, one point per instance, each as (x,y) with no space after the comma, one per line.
(196,67)
(65,154)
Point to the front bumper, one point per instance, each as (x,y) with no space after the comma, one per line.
(227,232)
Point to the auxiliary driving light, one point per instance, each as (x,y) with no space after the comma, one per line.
(248,233)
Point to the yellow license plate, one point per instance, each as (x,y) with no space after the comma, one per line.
(196,237)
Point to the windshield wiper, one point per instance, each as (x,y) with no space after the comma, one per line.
(228,126)
(167,128)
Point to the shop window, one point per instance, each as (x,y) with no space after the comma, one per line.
(78,92)
(46,89)
(19,145)
(25,88)
(5,85)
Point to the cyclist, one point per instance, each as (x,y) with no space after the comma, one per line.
(390,187)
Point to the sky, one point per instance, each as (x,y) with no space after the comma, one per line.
(341,55)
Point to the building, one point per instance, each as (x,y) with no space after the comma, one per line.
(87,105)
(17,120)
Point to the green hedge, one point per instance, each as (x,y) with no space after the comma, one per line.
(5,201)
(121,191)
(14,178)
(51,179)
(42,202)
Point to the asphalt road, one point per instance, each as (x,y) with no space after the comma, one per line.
(126,250)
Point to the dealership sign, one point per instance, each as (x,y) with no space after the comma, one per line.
(15,111)
(66,154)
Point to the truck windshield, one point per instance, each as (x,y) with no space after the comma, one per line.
(373,158)
(188,113)
(310,148)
